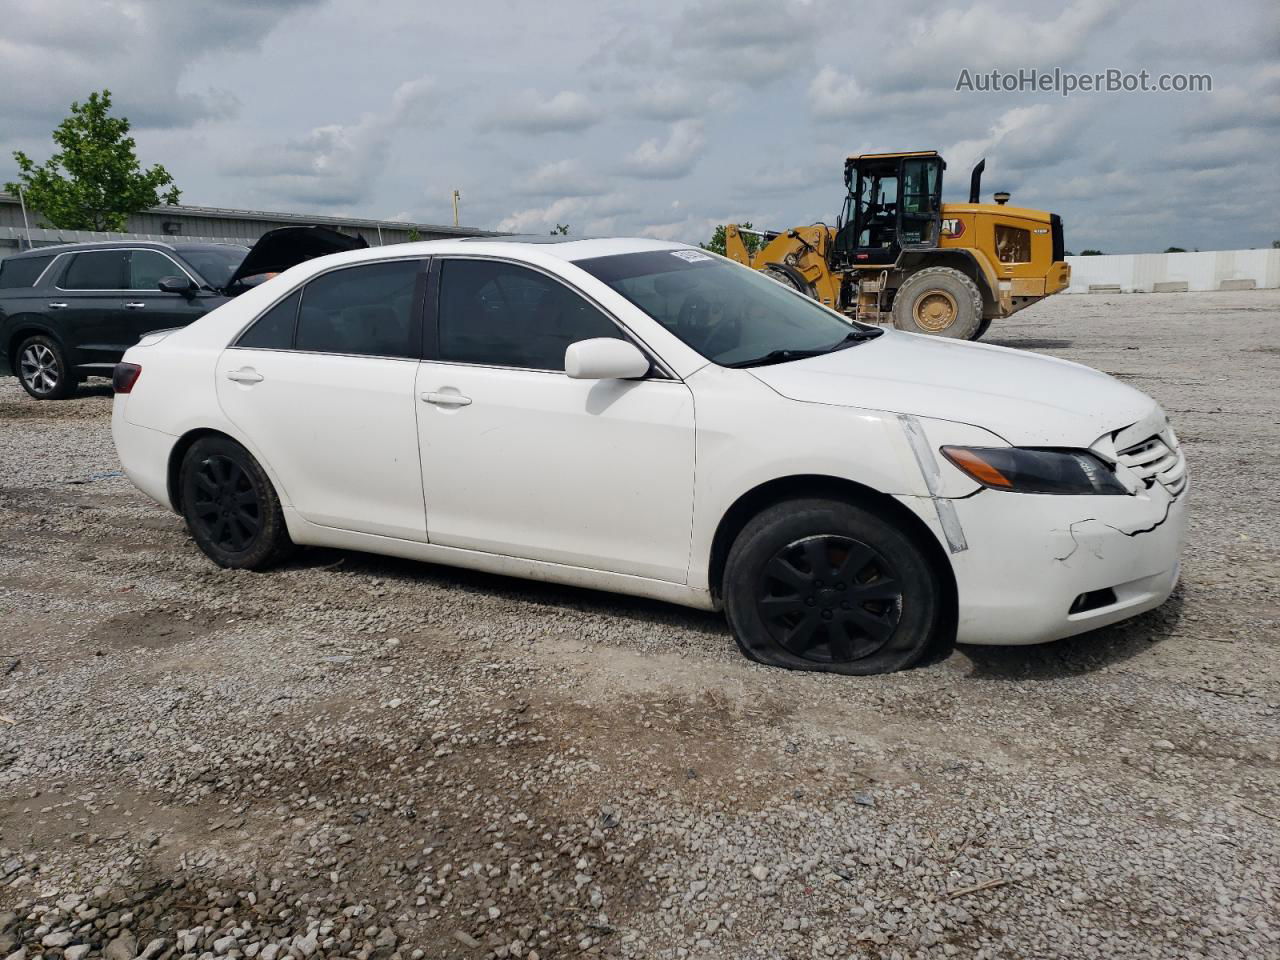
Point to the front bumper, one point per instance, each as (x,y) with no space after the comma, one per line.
(1030,558)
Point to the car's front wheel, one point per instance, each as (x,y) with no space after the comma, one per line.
(43,369)
(230,507)
(826,585)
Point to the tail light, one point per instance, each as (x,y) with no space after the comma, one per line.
(125,376)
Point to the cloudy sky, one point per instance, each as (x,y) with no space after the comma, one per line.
(664,119)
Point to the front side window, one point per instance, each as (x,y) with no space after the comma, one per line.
(504,315)
(731,315)
(147,268)
(365,310)
(215,264)
(98,270)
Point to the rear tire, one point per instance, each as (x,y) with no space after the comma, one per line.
(940,302)
(231,509)
(828,586)
(42,368)
(787,280)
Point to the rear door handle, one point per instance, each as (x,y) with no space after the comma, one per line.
(447,399)
(134,305)
(245,375)
(59,305)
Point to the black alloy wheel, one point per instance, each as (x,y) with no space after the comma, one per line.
(230,506)
(829,585)
(225,504)
(829,599)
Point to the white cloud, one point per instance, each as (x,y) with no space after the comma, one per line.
(335,164)
(667,159)
(563,112)
(833,94)
(565,178)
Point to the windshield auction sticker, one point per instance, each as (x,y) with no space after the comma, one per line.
(693,256)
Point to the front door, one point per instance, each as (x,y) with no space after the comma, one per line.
(520,460)
(322,387)
(145,307)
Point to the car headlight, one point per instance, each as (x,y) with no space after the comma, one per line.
(1027,470)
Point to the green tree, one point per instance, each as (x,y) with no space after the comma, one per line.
(561,230)
(414,235)
(94,181)
(1275,244)
(1092,253)
(1175,249)
(749,240)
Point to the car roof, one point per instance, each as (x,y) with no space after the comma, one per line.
(561,248)
(56,248)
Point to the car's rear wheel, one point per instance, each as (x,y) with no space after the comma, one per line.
(230,507)
(826,585)
(43,370)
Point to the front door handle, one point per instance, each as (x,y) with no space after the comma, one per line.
(134,305)
(447,399)
(244,375)
(59,305)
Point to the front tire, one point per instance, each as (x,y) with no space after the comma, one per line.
(828,586)
(940,302)
(43,369)
(231,509)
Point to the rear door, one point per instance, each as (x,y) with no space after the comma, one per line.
(85,307)
(145,307)
(322,387)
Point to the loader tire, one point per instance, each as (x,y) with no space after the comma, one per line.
(773,273)
(940,302)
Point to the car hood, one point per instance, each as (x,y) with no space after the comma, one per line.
(1025,398)
(278,250)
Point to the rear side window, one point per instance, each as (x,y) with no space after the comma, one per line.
(365,310)
(97,270)
(501,314)
(147,268)
(22,271)
(274,329)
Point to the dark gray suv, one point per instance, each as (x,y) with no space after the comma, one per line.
(70,312)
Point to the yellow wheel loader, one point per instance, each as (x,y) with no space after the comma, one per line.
(899,254)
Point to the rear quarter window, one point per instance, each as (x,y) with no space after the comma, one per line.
(19,272)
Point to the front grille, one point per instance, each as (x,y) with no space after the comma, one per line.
(1157,459)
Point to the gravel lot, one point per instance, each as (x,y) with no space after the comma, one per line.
(362,757)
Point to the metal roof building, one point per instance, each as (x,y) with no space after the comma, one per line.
(212,224)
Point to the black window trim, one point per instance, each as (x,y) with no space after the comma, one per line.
(659,370)
(416,317)
(114,290)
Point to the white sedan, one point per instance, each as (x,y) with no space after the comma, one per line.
(650,419)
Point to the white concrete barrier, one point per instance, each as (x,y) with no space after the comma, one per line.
(1176,272)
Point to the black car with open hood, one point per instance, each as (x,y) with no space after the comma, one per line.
(70,312)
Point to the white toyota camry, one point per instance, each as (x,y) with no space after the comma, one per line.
(647,418)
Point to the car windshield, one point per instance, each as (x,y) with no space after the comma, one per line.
(215,264)
(731,315)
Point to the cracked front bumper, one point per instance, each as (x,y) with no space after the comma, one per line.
(1030,557)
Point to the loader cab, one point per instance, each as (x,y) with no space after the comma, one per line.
(893,202)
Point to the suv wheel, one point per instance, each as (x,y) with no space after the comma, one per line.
(42,369)
(825,585)
(230,507)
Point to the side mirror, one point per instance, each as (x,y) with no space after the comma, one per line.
(182,285)
(604,358)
